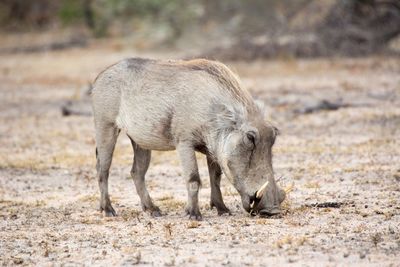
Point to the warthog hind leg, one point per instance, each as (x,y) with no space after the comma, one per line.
(215,172)
(141,161)
(106,137)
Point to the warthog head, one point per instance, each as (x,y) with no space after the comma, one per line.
(246,159)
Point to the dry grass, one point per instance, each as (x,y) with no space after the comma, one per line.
(50,192)
(89,198)
(312,185)
(291,242)
(169,203)
(192,224)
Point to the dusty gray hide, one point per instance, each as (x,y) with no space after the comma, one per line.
(195,105)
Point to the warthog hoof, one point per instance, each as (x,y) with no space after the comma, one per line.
(153,210)
(194,214)
(222,209)
(156,213)
(108,211)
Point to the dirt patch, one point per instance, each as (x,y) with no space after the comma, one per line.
(49,194)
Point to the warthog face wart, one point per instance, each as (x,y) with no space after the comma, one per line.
(247,161)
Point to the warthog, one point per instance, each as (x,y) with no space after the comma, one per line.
(196,105)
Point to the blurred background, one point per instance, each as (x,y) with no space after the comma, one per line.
(228,29)
(327,70)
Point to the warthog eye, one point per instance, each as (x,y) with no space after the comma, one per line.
(252,137)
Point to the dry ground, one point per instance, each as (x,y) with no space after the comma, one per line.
(49,194)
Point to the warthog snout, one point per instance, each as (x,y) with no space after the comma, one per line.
(270,212)
(266,201)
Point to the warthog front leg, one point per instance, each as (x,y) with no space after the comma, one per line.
(191,173)
(141,161)
(215,172)
(106,137)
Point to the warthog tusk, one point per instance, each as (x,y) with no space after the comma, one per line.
(289,189)
(261,191)
(257,199)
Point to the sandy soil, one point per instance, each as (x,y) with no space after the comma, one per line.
(49,194)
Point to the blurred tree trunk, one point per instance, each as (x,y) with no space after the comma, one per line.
(89,14)
(350,28)
(35,13)
(360,26)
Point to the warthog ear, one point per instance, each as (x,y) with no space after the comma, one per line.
(226,118)
(264,110)
(276,131)
(261,106)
